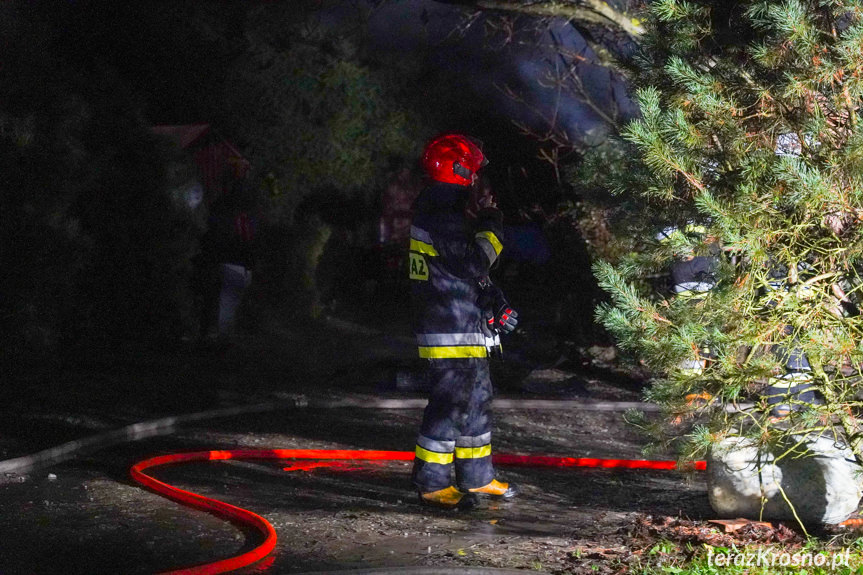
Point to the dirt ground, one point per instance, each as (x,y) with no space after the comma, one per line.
(86,516)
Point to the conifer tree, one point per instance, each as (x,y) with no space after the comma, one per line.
(749,152)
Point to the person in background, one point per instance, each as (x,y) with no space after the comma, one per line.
(226,261)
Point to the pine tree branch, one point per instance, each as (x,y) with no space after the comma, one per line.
(595,11)
(603,49)
(572,74)
(853,435)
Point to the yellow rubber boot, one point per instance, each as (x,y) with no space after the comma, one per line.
(448,498)
(497,489)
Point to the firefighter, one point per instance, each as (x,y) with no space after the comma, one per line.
(692,278)
(790,387)
(457,315)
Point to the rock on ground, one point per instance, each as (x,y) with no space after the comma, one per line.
(824,484)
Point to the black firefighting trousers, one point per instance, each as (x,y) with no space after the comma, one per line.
(456,428)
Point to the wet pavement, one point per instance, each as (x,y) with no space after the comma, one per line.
(86,516)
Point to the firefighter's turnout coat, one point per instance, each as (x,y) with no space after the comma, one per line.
(449,254)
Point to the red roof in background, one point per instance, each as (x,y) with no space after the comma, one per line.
(185,135)
(219,162)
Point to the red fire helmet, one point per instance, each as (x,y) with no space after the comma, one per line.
(453,158)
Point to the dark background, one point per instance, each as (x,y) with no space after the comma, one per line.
(327,101)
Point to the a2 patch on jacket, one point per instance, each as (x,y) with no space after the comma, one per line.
(421,247)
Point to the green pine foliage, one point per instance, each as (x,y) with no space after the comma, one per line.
(749,130)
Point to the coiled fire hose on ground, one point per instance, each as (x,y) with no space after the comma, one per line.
(249,519)
(168,425)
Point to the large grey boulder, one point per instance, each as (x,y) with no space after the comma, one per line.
(822,480)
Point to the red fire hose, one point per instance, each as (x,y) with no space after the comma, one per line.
(247,518)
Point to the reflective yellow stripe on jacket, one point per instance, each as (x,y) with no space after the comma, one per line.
(492,239)
(453,352)
(451,345)
(423,248)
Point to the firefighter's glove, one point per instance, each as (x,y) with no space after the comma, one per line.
(506,319)
(498,316)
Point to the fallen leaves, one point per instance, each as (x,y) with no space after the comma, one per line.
(855,523)
(732,525)
(737,532)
